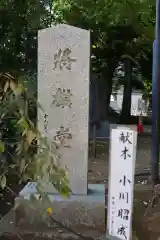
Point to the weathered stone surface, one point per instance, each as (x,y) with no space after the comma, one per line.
(68,213)
(63,92)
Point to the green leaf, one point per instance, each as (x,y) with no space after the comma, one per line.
(26,177)
(30,136)
(23,123)
(22,164)
(2,147)
(3,181)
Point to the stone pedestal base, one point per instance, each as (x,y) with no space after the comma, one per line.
(88,210)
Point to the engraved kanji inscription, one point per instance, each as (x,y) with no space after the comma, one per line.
(62,98)
(63,137)
(46,122)
(62,59)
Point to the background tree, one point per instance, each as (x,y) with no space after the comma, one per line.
(118,29)
(18,34)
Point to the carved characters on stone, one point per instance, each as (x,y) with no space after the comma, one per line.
(46,122)
(62,59)
(62,98)
(63,137)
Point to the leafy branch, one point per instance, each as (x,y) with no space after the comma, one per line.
(24,152)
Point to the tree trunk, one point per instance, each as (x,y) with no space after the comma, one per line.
(108,76)
(127,94)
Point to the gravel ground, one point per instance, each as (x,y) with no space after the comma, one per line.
(99,166)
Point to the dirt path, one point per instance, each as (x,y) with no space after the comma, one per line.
(99,167)
(98,173)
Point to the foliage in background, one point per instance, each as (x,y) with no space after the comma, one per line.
(18,34)
(148,86)
(22,158)
(120,30)
(25,154)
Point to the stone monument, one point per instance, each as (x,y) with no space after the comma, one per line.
(63,92)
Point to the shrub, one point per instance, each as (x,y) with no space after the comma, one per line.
(26,155)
